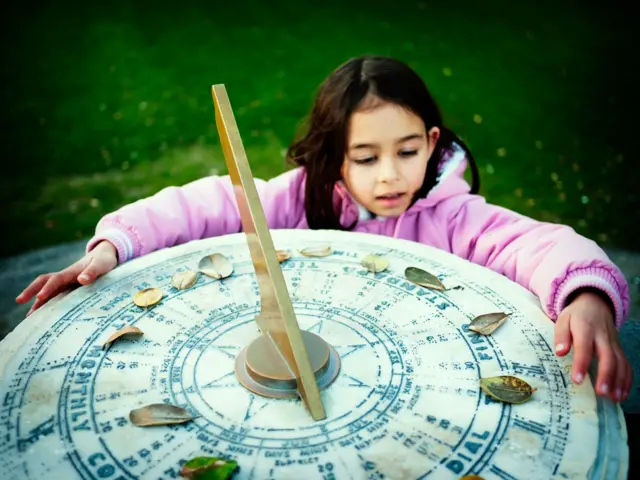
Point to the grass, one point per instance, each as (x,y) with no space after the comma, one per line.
(107,105)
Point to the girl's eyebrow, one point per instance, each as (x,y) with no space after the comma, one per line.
(413,136)
(406,138)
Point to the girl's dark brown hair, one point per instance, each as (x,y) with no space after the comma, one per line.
(321,150)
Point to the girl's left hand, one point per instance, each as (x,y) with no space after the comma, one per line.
(588,323)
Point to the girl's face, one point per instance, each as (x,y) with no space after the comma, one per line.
(386,157)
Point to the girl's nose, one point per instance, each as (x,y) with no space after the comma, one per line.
(388,171)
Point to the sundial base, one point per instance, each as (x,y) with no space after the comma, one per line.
(408,387)
(261,369)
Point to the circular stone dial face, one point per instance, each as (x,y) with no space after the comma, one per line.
(406,403)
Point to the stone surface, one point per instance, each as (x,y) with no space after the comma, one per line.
(17,272)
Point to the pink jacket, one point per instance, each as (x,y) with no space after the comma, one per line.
(550,260)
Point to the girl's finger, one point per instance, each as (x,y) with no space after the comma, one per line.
(607,365)
(36,305)
(63,278)
(621,375)
(583,349)
(54,282)
(33,288)
(563,334)
(60,287)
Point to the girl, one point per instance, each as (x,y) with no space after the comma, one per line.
(377,158)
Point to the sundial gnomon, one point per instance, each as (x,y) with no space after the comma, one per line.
(406,403)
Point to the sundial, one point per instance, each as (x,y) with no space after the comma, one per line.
(315,367)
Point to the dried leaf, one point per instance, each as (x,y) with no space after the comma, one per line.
(120,333)
(208,468)
(321,251)
(283,255)
(147,297)
(471,477)
(159,414)
(184,280)
(216,266)
(507,388)
(423,278)
(486,324)
(375,263)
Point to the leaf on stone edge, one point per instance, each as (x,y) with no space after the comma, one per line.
(375,263)
(507,388)
(129,330)
(486,324)
(159,414)
(423,278)
(319,251)
(208,468)
(283,255)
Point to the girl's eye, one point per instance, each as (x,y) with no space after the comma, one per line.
(408,153)
(364,161)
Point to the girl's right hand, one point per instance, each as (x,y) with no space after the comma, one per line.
(102,259)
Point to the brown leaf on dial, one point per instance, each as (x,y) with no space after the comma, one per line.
(159,414)
(423,278)
(216,266)
(507,388)
(184,280)
(130,330)
(147,297)
(486,324)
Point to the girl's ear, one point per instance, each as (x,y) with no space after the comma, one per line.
(433,135)
(432,139)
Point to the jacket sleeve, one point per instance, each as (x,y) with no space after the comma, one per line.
(550,260)
(204,208)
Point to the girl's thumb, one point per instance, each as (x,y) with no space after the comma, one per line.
(93,270)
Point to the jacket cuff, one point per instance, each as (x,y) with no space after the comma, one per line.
(119,239)
(592,277)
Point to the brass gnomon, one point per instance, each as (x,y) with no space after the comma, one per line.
(284,361)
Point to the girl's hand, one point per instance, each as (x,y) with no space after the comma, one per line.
(588,323)
(102,259)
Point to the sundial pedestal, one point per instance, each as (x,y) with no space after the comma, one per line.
(261,369)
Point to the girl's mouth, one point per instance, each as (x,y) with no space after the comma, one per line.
(390,196)
(390,199)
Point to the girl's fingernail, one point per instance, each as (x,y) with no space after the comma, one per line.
(559,347)
(618,393)
(604,388)
(84,277)
(579,378)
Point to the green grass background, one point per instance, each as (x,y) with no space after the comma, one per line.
(105,103)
